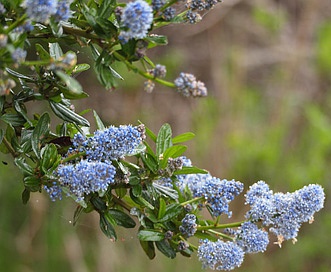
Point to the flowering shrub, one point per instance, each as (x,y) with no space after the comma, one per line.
(158,188)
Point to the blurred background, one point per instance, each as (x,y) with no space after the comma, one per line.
(267,66)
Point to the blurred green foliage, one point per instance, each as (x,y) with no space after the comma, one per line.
(268,117)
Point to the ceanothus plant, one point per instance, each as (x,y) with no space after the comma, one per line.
(158,188)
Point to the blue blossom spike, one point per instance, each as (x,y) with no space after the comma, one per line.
(169,13)
(187,85)
(220,255)
(157,4)
(189,225)
(63,12)
(159,71)
(85,177)
(54,191)
(114,142)
(136,19)
(19,55)
(252,239)
(40,10)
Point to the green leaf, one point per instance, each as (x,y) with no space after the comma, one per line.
(41,51)
(80,68)
(156,40)
(140,200)
(72,84)
(150,235)
(150,162)
(148,248)
(50,159)
(163,141)
(107,228)
(166,191)
(22,111)
(79,210)
(120,192)
(137,190)
(106,8)
(39,133)
(24,167)
(67,114)
(32,183)
(16,120)
(2,134)
(164,247)
(25,196)
(2,102)
(55,50)
(122,219)
(171,211)
(162,208)
(172,152)
(183,137)
(190,170)
(18,75)
(150,134)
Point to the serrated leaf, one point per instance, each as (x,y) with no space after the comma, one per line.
(122,219)
(39,133)
(183,137)
(163,140)
(190,170)
(171,211)
(148,248)
(164,247)
(107,228)
(67,114)
(55,51)
(150,235)
(172,152)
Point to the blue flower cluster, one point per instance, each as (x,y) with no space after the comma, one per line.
(189,225)
(220,255)
(194,6)
(187,85)
(19,55)
(252,239)
(284,213)
(114,142)
(82,178)
(158,71)
(42,10)
(136,19)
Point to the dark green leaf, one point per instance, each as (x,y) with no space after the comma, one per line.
(156,40)
(21,110)
(183,137)
(164,247)
(122,219)
(140,200)
(55,50)
(25,196)
(107,228)
(150,235)
(172,152)
(148,248)
(149,162)
(120,192)
(50,159)
(23,166)
(32,183)
(106,8)
(39,133)
(13,119)
(190,170)
(136,190)
(172,211)
(99,204)
(163,141)
(68,115)
(100,124)
(150,134)
(166,191)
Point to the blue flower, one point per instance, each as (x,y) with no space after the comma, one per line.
(54,191)
(189,225)
(187,85)
(63,12)
(136,19)
(220,255)
(40,10)
(252,239)
(19,55)
(85,177)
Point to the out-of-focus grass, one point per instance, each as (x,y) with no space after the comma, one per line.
(267,66)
